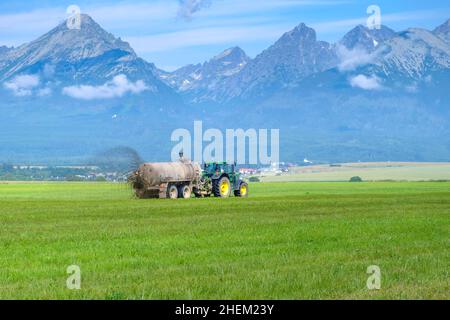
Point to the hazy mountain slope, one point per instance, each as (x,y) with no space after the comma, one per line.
(414,53)
(393,105)
(388,101)
(115,96)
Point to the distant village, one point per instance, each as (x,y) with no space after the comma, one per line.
(10,172)
(275,168)
(58,173)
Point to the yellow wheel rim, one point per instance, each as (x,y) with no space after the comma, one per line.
(243,190)
(224,188)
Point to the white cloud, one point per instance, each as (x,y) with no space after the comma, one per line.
(22,85)
(44,92)
(189,7)
(351,59)
(364,82)
(116,88)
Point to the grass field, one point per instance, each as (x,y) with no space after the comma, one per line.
(368,171)
(287,241)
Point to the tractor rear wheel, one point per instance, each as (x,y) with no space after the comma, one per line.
(222,187)
(172,192)
(242,191)
(184,192)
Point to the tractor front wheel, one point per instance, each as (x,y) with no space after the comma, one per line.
(242,191)
(222,188)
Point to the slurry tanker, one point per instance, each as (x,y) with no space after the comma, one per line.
(183,178)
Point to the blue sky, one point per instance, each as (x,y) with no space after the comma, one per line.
(170,35)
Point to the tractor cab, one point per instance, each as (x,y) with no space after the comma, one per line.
(216,169)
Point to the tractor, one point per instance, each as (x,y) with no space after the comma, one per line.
(221,179)
(182,178)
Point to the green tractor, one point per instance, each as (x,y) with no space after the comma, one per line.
(221,179)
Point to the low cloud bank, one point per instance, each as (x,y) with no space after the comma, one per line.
(352,59)
(366,83)
(22,85)
(116,88)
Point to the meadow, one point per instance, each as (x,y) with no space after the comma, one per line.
(291,240)
(368,171)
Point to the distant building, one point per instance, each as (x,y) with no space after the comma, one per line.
(247,171)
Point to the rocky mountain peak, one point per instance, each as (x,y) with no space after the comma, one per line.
(301,34)
(443,31)
(194,77)
(65,45)
(233,54)
(368,39)
(90,40)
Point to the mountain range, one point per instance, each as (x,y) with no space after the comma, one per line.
(375,95)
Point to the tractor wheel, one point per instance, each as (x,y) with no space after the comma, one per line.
(222,187)
(184,192)
(172,192)
(242,191)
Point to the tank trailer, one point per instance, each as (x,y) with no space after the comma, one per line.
(183,178)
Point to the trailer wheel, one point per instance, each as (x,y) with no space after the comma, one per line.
(184,191)
(172,192)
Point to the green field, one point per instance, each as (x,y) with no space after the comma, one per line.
(287,241)
(368,171)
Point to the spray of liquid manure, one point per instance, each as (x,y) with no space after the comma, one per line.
(122,161)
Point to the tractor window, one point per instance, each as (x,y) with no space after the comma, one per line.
(210,167)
